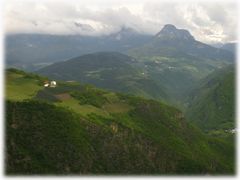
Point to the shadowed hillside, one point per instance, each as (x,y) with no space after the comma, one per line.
(212,104)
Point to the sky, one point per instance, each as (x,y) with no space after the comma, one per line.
(209,21)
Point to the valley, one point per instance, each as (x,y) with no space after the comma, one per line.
(122,104)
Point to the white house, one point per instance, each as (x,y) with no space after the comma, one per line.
(53,84)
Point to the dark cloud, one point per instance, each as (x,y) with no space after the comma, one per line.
(84,27)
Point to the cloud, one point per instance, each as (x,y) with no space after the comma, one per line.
(208,22)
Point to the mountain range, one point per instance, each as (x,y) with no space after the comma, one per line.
(122,104)
(227,46)
(173,42)
(33,51)
(173,62)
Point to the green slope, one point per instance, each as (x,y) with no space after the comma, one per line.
(21,85)
(78,129)
(109,70)
(212,105)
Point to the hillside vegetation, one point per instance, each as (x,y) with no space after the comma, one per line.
(21,85)
(212,104)
(109,70)
(79,129)
(176,60)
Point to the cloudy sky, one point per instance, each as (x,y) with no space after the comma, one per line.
(208,22)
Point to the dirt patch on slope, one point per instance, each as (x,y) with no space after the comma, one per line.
(63,96)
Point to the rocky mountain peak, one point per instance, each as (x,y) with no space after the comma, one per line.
(169,31)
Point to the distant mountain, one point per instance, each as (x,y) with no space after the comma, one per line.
(217,45)
(169,32)
(33,51)
(109,70)
(227,46)
(124,34)
(74,129)
(212,104)
(230,47)
(174,58)
(173,42)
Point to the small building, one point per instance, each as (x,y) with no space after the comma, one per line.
(46,84)
(233,131)
(53,84)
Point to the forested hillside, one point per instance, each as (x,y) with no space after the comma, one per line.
(212,104)
(79,129)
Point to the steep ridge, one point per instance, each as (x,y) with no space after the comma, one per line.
(212,104)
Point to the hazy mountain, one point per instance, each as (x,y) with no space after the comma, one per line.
(226,46)
(212,104)
(172,61)
(33,51)
(173,42)
(217,45)
(175,59)
(169,31)
(230,47)
(125,33)
(74,129)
